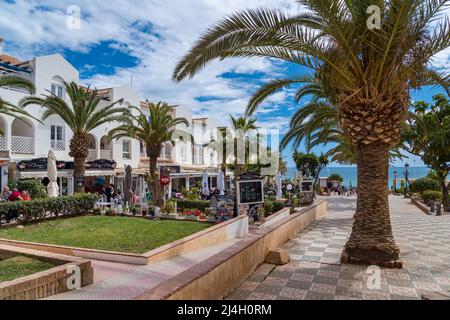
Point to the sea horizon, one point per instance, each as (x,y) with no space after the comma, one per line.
(350,174)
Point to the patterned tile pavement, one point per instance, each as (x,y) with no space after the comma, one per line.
(315,271)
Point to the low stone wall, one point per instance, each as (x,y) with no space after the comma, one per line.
(47,283)
(235,228)
(423,207)
(218,276)
(276,217)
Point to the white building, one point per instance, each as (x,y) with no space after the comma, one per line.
(30,140)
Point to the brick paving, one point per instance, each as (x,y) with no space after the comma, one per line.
(315,271)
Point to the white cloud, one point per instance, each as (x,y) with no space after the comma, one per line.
(32,27)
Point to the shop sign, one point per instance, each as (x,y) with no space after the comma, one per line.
(101,164)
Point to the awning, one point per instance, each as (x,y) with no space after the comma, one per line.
(43,174)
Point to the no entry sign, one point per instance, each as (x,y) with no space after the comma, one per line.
(164,180)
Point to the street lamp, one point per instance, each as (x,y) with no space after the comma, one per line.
(406,178)
(395,181)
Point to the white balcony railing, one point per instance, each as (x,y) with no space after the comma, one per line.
(3,143)
(92,155)
(58,145)
(106,154)
(22,145)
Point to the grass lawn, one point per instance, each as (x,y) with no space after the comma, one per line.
(20,266)
(120,234)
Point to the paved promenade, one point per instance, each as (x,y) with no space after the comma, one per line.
(315,272)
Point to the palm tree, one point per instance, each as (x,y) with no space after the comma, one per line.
(153,131)
(82,115)
(7,108)
(367,71)
(243,126)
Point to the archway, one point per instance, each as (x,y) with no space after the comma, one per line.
(3,135)
(22,136)
(105,148)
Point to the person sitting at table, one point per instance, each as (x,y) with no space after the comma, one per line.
(5,194)
(26,196)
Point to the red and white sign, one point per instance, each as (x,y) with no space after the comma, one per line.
(164,180)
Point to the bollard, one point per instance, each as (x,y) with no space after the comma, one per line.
(432,206)
(438,209)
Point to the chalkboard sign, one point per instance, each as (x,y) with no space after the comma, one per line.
(101,164)
(251,192)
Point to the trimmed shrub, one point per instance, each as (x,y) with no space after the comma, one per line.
(40,209)
(425,184)
(191,204)
(271,207)
(431,195)
(34,187)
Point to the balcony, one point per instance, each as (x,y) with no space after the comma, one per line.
(22,145)
(92,155)
(58,145)
(106,154)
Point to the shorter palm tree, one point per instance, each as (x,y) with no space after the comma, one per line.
(82,115)
(9,109)
(242,126)
(153,131)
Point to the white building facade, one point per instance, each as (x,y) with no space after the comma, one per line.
(25,141)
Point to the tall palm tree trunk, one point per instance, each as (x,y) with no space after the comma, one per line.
(371,240)
(154,183)
(445,196)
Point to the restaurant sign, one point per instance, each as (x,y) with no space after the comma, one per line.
(41,165)
(101,164)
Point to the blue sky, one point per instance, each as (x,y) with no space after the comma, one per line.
(145,40)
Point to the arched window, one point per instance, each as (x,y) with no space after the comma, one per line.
(57,87)
(92,142)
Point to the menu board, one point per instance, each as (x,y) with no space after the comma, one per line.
(251,192)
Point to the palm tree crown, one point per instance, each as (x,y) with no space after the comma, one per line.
(153,131)
(83,114)
(9,109)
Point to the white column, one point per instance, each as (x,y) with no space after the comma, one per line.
(188,186)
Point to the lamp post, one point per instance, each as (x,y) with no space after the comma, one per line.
(406,178)
(395,181)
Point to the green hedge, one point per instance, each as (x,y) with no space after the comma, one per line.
(33,186)
(191,204)
(37,210)
(430,195)
(425,184)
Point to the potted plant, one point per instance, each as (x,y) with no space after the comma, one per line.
(202,217)
(110,213)
(134,210)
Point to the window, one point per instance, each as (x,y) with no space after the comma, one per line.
(126,149)
(57,137)
(57,90)
(142,149)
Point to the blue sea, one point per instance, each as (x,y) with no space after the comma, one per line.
(351,177)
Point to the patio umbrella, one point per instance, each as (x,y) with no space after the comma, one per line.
(205,184)
(128,192)
(221,183)
(279,187)
(52,175)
